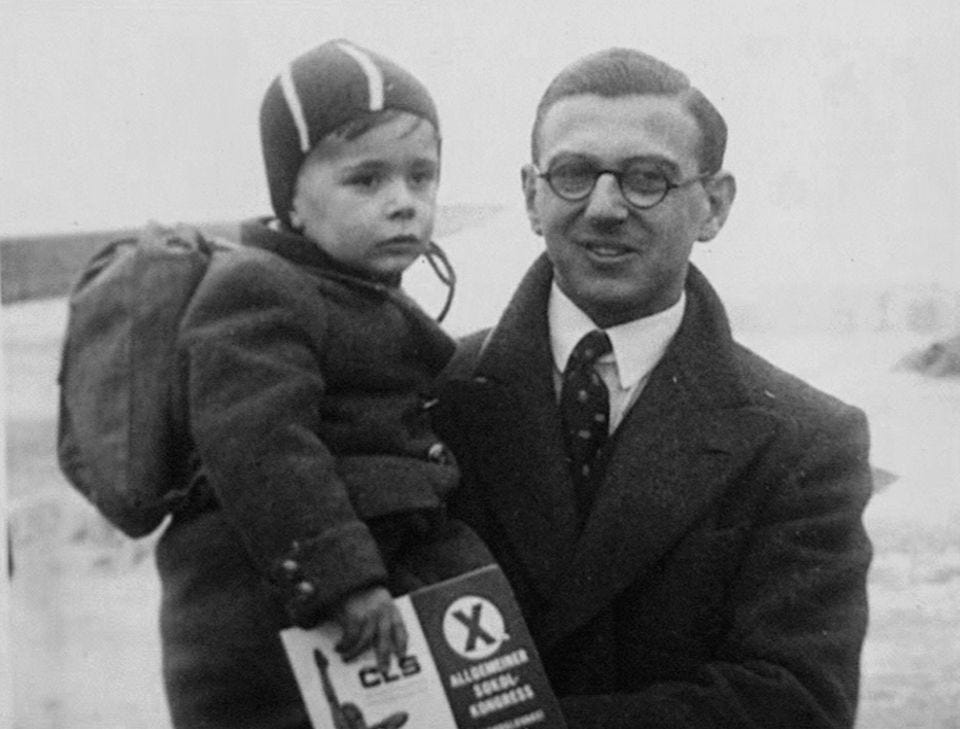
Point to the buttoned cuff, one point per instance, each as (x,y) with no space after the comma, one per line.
(315,575)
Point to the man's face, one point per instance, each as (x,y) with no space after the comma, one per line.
(369,202)
(615,261)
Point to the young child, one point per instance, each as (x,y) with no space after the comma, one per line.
(319,485)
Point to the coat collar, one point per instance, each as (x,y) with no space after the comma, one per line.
(264,233)
(669,459)
(430,342)
(517,349)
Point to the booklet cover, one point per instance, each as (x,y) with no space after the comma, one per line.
(470,664)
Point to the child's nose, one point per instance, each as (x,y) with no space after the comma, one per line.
(401,200)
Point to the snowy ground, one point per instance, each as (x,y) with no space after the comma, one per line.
(84,642)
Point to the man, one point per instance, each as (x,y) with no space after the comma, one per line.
(681,521)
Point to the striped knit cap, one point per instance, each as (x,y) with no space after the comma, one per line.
(317,93)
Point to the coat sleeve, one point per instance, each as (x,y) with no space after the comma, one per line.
(251,339)
(797,609)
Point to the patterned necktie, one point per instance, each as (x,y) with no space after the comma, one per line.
(585,409)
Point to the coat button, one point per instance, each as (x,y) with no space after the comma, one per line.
(438,453)
(290,566)
(306,588)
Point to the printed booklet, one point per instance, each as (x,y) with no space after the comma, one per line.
(470,664)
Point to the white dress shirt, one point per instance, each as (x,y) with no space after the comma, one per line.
(638,346)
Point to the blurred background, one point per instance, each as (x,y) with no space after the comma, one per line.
(840,261)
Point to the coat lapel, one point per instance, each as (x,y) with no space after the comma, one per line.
(670,463)
(676,450)
(509,420)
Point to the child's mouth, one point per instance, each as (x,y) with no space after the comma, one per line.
(402,241)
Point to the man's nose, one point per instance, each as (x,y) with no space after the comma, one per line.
(606,201)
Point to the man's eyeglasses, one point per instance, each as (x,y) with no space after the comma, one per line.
(642,184)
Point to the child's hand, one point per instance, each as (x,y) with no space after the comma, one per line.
(370,619)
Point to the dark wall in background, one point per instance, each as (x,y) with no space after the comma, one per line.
(33,267)
(43,266)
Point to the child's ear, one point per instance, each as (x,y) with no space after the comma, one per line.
(528,178)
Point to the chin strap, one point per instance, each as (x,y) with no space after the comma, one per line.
(444,269)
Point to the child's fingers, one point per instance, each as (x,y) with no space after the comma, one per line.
(357,640)
(382,654)
(400,638)
(352,652)
(351,632)
(391,639)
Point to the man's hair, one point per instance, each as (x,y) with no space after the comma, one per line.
(619,72)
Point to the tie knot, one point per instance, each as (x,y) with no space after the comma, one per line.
(592,347)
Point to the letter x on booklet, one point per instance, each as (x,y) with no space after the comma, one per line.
(470,664)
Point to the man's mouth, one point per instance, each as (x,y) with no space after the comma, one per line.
(607,249)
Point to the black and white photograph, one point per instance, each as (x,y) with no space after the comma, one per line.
(311,306)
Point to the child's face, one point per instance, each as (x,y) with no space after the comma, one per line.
(369,202)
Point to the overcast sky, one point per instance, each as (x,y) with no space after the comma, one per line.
(844,116)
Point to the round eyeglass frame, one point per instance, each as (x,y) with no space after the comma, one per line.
(618,176)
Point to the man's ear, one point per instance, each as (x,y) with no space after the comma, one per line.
(721,190)
(528,177)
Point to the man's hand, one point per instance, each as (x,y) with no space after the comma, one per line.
(370,619)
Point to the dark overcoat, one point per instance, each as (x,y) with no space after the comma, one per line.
(720,579)
(317,471)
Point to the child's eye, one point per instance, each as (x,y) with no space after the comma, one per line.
(422,178)
(366,180)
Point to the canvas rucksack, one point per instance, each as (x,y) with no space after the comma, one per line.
(119,426)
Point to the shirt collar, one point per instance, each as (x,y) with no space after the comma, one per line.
(638,345)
